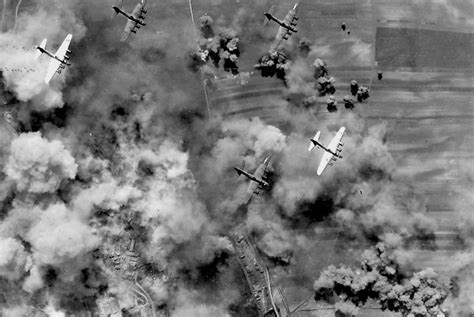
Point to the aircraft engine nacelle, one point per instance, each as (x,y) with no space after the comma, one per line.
(285,37)
(133,31)
(144,11)
(293,23)
(341,144)
(68,52)
(66,57)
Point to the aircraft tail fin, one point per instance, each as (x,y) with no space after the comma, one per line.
(267,14)
(238,170)
(39,47)
(117,8)
(315,139)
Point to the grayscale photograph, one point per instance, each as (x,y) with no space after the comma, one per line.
(237,158)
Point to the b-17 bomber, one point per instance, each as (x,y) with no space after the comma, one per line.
(136,18)
(287,25)
(59,60)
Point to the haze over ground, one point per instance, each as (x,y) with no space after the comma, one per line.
(121,147)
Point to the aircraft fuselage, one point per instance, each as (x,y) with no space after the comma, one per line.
(325,148)
(280,22)
(251,176)
(128,16)
(44,51)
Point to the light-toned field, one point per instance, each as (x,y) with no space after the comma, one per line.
(429,109)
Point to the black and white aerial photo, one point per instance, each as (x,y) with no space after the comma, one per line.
(237,158)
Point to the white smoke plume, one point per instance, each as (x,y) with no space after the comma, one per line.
(244,143)
(14,260)
(59,236)
(52,20)
(188,305)
(37,165)
(129,169)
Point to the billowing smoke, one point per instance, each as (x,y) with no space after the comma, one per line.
(362,94)
(205,25)
(359,195)
(348,102)
(37,165)
(274,63)
(332,104)
(325,86)
(223,46)
(123,197)
(354,87)
(461,264)
(304,47)
(381,279)
(320,68)
(18,50)
(242,143)
(14,260)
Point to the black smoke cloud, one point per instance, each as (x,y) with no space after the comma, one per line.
(364,201)
(381,280)
(274,63)
(128,155)
(116,160)
(223,46)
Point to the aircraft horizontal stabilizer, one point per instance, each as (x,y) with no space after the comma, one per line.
(268,15)
(315,139)
(238,170)
(42,46)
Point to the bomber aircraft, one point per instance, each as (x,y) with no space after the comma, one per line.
(332,151)
(135,19)
(287,26)
(59,60)
(256,179)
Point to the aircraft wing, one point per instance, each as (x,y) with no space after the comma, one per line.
(327,157)
(137,11)
(282,34)
(335,141)
(254,187)
(261,169)
(290,18)
(324,162)
(61,52)
(131,25)
(278,38)
(52,68)
(251,189)
(128,28)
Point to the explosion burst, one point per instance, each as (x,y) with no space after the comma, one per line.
(118,194)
